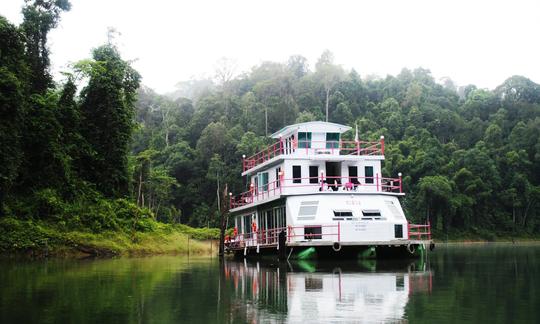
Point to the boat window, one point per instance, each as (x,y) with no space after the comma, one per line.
(308,210)
(332,140)
(343,213)
(304,139)
(398,230)
(278,179)
(368,173)
(353,174)
(372,214)
(297,174)
(313,174)
(263,181)
(279,214)
(247,226)
(312,232)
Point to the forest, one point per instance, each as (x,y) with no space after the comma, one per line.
(470,157)
(99,151)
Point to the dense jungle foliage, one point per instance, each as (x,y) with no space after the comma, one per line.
(470,157)
(99,152)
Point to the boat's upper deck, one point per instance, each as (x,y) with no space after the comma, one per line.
(312,140)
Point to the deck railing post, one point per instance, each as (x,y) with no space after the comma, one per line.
(289,233)
(377,181)
(338,231)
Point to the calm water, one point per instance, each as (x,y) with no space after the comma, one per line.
(476,284)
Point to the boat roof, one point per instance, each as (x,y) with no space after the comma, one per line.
(313,126)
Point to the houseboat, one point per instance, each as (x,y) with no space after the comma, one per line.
(313,195)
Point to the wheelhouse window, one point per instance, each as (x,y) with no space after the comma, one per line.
(304,139)
(313,174)
(368,171)
(332,140)
(297,174)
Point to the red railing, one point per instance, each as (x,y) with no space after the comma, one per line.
(284,147)
(419,232)
(270,237)
(317,184)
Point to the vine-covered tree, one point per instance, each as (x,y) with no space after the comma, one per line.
(107,111)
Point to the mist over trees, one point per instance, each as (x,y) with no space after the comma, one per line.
(470,157)
(97,151)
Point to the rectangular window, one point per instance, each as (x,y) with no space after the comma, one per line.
(398,230)
(297,174)
(332,140)
(278,178)
(371,213)
(263,181)
(304,140)
(313,174)
(343,213)
(369,174)
(247,226)
(312,233)
(353,174)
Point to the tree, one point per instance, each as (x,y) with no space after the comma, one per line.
(40,16)
(434,195)
(107,120)
(13,76)
(329,75)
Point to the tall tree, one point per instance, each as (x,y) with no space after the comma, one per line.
(329,74)
(107,119)
(40,16)
(13,75)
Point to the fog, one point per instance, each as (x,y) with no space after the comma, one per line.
(478,42)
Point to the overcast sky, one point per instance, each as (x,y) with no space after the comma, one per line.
(479,42)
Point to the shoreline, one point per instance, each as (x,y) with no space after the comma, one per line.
(38,240)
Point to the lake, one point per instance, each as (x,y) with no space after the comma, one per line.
(478,283)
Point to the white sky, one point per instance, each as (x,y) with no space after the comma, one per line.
(479,42)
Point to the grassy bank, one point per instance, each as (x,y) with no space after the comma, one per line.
(40,238)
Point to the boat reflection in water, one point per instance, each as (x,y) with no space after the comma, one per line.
(369,291)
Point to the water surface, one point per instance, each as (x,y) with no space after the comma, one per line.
(493,283)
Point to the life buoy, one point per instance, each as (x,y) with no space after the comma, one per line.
(336,247)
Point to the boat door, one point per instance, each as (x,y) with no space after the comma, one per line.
(333,175)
